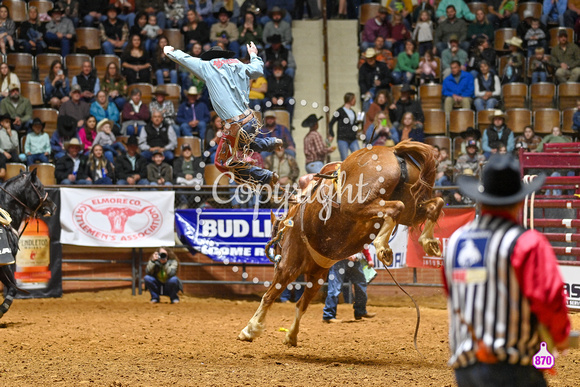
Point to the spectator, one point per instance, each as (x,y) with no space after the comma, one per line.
(280,90)
(162,65)
(188,170)
(480,28)
(534,37)
(282,163)
(514,68)
(73,167)
(347,128)
(566,59)
(459,7)
(453,53)
(103,109)
(372,76)
(540,65)
(212,138)
(2,168)
(158,172)
(174,12)
(375,27)
(7,30)
(115,85)
(457,89)
(204,8)
(553,12)
(88,133)
(576,117)
(469,134)
(277,53)
(497,133)
(487,88)
(70,10)
(380,104)
(152,7)
(423,5)
(66,129)
(7,78)
(399,33)
(88,82)
(136,62)
(166,107)
(137,27)
(126,10)
(75,107)
(60,31)
(273,129)
(9,144)
(381,131)
(250,31)
(18,108)
(444,168)
(428,66)
(383,55)
(277,26)
(406,104)
(107,140)
(571,14)
(157,137)
(162,273)
(135,114)
(257,7)
(423,32)
(502,14)
(452,26)
(314,148)
(351,269)
(37,144)
(526,24)
(131,168)
(312,9)
(192,116)
(93,11)
(30,36)
(407,64)
(468,164)
(258,89)
(481,52)
(529,140)
(409,130)
(151,33)
(555,137)
(194,31)
(56,86)
(225,32)
(100,170)
(114,32)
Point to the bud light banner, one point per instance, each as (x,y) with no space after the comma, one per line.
(224,235)
(117,219)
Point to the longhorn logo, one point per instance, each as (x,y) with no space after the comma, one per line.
(118,216)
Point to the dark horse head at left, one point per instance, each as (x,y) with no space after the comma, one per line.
(22,197)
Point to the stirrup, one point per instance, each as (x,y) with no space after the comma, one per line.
(5,218)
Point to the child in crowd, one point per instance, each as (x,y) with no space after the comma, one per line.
(444,168)
(37,145)
(88,133)
(533,36)
(101,170)
(175,12)
(428,67)
(151,32)
(515,66)
(423,33)
(539,66)
(107,140)
(159,172)
(188,169)
(399,34)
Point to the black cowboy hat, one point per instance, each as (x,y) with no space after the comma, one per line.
(132,140)
(407,89)
(276,38)
(217,52)
(310,121)
(501,183)
(55,9)
(471,132)
(222,10)
(66,126)
(112,7)
(276,9)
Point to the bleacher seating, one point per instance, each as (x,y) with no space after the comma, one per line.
(542,95)
(440,141)
(175,38)
(43,6)
(48,116)
(430,95)
(535,8)
(460,119)
(13,169)
(367,11)
(435,123)
(74,63)
(101,62)
(501,36)
(568,94)
(476,6)
(567,116)
(484,118)
(146,91)
(88,40)
(33,91)
(45,173)
(17,10)
(23,65)
(43,62)
(194,142)
(212,175)
(518,119)
(545,120)
(515,95)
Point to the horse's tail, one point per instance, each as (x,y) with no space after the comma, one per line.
(9,282)
(423,157)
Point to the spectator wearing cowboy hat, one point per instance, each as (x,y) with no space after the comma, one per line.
(37,144)
(114,31)
(375,27)
(280,93)
(131,167)
(514,69)
(107,140)
(406,104)
(60,31)
(566,59)
(372,76)
(315,149)
(192,116)
(225,32)
(75,107)
(9,143)
(66,129)
(496,133)
(518,285)
(278,25)
(160,103)
(73,167)
(278,53)
(18,108)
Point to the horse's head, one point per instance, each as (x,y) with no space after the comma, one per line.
(29,194)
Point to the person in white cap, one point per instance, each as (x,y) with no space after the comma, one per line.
(228,83)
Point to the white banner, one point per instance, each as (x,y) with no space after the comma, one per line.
(571,277)
(398,243)
(101,218)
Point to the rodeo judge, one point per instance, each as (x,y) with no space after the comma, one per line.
(503,285)
(228,83)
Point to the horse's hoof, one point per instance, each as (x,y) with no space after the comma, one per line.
(245,336)
(291,341)
(385,256)
(431,247)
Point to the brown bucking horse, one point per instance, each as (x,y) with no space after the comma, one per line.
(354,203)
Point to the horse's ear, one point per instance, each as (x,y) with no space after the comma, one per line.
(272,217)
(33,173)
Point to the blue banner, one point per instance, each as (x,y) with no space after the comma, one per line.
(226,235)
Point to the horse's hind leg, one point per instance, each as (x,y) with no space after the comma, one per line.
(283,276)
(432,209)
(390,212)
(316,278)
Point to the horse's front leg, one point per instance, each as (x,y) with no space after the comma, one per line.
(316,278)
(390,212)
(432,209)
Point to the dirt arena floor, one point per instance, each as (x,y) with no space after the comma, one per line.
(111,338)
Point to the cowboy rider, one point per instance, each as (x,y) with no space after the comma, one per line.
(228,82)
